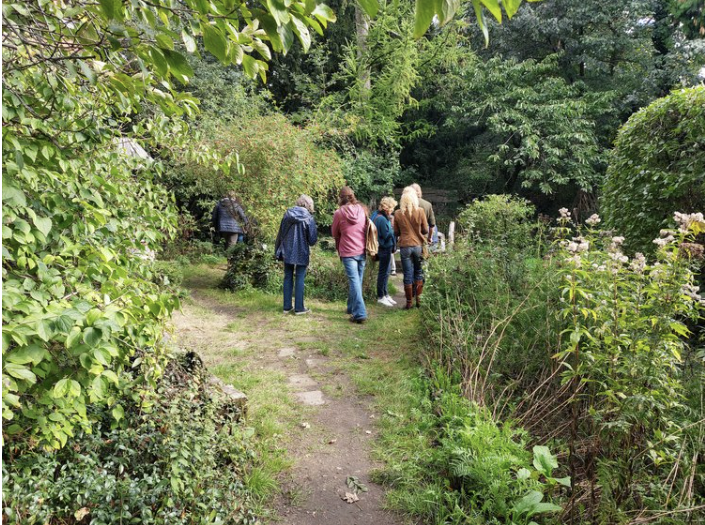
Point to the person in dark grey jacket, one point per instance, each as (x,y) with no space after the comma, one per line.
(297,233)
(229,220)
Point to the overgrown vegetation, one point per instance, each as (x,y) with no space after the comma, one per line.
(184,461)
(587,349)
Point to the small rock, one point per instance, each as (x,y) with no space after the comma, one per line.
(305,424)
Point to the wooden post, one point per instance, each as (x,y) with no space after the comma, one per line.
(451,235)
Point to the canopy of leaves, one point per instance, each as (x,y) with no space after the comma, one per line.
(83,83)
(657,167)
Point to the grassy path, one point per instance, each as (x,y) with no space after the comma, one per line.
(326,397)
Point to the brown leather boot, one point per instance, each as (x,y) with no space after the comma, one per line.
(408,292)
(419,288)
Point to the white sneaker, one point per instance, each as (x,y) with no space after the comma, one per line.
(389,298)
(384,301)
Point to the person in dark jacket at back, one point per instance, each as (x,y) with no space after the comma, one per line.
(385,237)
(297,233)
(229,220)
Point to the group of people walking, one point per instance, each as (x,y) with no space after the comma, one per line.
(408,229)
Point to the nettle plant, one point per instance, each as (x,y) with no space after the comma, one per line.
(623,351)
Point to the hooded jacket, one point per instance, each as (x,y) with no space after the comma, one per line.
(297,233)
(385,232)
(349,226)
(228,217)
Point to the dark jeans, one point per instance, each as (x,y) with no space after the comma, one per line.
(385,257)
(411,264)
(289,270)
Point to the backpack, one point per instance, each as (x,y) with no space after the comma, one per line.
(371,240)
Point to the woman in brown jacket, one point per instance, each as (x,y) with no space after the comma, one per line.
(411,229)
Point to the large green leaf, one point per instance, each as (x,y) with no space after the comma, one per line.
(544,461)
(279,11)
(324,14)
(43,224)
(511,6)
(112,9)
(214,41)
(302,32)
(20,372)
(178,65)
(29,354)
(370,7)
(494,8)
(425,11)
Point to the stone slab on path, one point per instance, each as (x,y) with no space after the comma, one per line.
(287,352)
(301,380)
(314,363)
(312,398)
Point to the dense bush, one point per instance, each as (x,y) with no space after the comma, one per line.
(252,264)
(169,274)
(657,167)
(326,278)
(279,162)
(622,360)
(493,301)
(182,462)
(586,347)
(501,220)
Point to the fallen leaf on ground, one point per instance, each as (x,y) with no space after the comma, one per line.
(350,497)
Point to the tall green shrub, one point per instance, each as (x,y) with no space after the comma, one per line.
(279,162)
(657,167)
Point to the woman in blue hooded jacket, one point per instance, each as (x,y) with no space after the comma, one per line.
(385,237)
(297,233)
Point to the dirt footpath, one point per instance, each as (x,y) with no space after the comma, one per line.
(296,362)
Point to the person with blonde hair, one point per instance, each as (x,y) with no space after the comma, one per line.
(385,237)
(349,230)
(411,229)
(428,210)
(297,233)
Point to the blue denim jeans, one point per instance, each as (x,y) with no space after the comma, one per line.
(385,257)
(355,269)
(289,271)
(411,264)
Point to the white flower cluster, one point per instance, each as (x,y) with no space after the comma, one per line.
(638,263)
(593,220)
(692,291)
(684,220)
(666,239)
(564,216)
(578,245)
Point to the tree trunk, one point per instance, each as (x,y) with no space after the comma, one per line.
(362,28)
